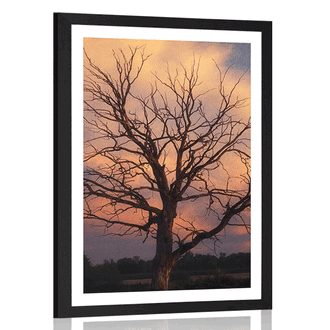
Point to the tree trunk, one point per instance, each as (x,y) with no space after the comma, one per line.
(163,261)
(161,276)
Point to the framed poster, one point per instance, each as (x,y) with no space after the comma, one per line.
(162,144)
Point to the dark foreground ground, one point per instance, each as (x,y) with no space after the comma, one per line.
(192,272)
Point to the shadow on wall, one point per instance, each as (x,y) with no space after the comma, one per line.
(257,319)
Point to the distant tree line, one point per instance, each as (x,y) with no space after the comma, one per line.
(209,271)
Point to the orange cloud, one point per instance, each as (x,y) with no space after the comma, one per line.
(173,54)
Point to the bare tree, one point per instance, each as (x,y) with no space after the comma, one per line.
(147,155)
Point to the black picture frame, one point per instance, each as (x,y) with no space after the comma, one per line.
(63,23)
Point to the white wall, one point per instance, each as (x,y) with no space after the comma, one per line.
(301,135)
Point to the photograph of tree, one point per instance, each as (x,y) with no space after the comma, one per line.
(167,170)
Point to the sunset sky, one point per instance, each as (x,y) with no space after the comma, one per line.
(172,54)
